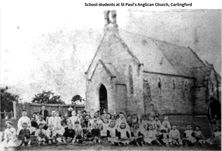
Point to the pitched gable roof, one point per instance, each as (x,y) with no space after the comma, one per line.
(150,52)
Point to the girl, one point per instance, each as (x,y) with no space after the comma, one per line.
(10,140)
(123,134)
(96,131)
(112,132)
(41,135)
(166,124)
(150,137)
(174,136)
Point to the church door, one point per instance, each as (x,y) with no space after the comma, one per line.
(103,98)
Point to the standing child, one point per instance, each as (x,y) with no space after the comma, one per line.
(166,124)
(24,135)
(103,129)
(96,131)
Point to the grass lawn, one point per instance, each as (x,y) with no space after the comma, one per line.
(113,148)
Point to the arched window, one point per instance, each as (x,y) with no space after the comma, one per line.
(131,79)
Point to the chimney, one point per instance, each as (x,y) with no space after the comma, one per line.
(110,20)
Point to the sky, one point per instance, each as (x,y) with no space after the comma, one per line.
(49,47)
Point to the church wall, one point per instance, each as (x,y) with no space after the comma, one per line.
(92,92)
(173,96)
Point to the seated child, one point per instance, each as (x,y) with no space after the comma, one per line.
(112,132)
(69,133)
(41,135)
(199,136)
(157,122)
(216,138)
(78,133)
(151,136)
(50,134)
(42,121)
(189,136)
(24,135)
(123,134)
(96,131)
(174,136)
(163,137)
(136,135)
(9,139)
(166,124)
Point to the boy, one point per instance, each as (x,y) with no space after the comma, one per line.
(150,137)
(78,133)
(112,132)
(123,133)
(24,135)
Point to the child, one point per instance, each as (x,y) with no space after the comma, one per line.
(157,122)
(103,129)
(123,133)
(199,135)
(164,137)
(73,118)
(42,121)
(41,135)
(50,134)
(150,136)
(24,135)
(10,140)
(78,133)
(166,124)
(96,131)
(23,119)
(174,136)
(136,135)
(69,133)
(216,138)
(189,136)
(112,132)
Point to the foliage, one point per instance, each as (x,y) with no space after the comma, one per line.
(7,98)
(75,98)
(47,97)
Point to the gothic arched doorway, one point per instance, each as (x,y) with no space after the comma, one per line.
(103,104)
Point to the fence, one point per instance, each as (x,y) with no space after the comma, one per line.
(34,108)
(6,115)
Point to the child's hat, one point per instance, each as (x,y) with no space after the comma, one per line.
(8,122)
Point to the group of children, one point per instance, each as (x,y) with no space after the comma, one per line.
(105,128)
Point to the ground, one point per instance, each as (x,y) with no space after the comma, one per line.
(113,148)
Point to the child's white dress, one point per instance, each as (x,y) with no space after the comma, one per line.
(189,136)
(10,139)
(150,136)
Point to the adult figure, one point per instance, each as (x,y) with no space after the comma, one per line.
(43,112)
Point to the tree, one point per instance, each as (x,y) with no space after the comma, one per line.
(47,97)
(7,99)
(75,98)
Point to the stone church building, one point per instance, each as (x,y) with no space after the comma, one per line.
(132,73)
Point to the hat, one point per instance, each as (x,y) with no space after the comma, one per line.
(8,122)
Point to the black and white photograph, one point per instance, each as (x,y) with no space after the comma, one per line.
(93,78)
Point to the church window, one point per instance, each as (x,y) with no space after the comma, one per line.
(131,79)
(159,84)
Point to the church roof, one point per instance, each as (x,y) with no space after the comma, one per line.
(153,53)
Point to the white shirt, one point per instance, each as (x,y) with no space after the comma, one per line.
(24,119)
(54,121)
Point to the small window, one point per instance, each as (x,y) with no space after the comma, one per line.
(174,84)
(131,79)
(159,84)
